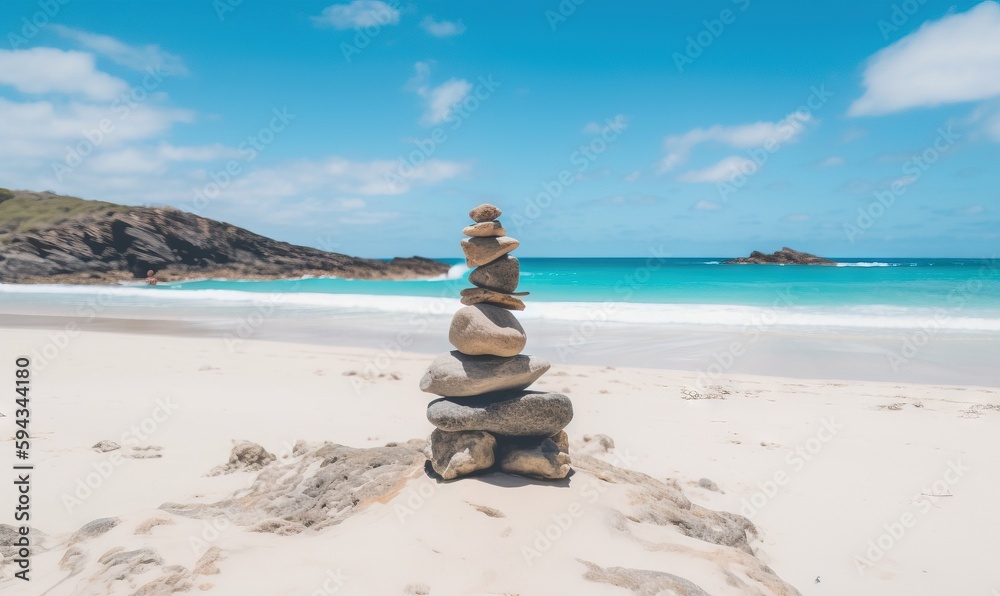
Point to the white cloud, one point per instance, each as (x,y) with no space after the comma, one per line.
(196,153)
(632,176)
(308,187)
(92,113)
(93,135)
(722,171)
(743,136)
(618,123)
(798,217)
(442,28)
(704,205)
(376,177)
(357,14)
(318,208)
(421,76)
(992,127)
(443,98)
(852,134)
(155,159)
(832,162)
(955,59)
(50,70)
(987,117)
(351,204)
(368,218)
(43,129)
(440,100)
(137,58)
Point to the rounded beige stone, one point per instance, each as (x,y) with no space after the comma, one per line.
(484,329)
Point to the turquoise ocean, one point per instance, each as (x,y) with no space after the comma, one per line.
(947,294)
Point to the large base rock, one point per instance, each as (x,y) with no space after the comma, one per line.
(518,413)
(460,453)
(546,458)
(456,375)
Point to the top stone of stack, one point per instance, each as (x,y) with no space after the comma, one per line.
(489,240)
(485,212)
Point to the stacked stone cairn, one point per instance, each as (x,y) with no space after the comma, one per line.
(486,418)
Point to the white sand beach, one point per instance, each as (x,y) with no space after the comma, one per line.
(854,487)
(376,298)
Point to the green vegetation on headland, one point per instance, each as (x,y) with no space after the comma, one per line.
(25,211)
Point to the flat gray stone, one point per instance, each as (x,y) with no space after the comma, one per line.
(479,251)
(513,413)
(485,212)
(502,275)
(484,329)
(486,229)
(453,374)
(455,454)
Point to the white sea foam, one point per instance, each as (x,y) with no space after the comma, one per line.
(455,272)
(726,315)
(156,303)
(871,264)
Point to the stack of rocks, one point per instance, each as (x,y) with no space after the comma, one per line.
(485,417)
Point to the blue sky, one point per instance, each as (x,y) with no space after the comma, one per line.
(370,128)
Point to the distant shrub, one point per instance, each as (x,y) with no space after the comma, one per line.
(5,195)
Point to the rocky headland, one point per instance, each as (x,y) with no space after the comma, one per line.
(48,238)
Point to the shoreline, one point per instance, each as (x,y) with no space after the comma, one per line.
(900,356)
